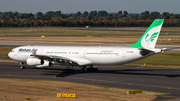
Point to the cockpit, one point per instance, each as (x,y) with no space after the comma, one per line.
(12,50)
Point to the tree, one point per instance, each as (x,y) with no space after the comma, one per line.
(166,15)
(78,13)
(58,13)
(119,13)
(85,13)
(125,13)
(89,17)
(16,13)
(176,16)
(3,16)
(145,13)
(0,24)
(93,13)
(154,15)
(143,16)
(26,16)
(102,13)
(9,13)
(39,14)
(50,14)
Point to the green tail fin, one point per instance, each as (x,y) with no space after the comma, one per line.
(149,38)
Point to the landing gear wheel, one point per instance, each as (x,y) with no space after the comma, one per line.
(21,63)
(92,69)
(88,69)
(66,71)
(22,67)
(83,70)
(72,71)
(95,69)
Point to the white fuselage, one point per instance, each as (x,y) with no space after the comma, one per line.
(97,55)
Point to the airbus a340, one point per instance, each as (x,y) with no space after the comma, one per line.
(43,56)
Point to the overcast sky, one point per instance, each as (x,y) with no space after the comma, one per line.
(72,6)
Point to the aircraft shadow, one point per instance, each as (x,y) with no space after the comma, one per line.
(172,73)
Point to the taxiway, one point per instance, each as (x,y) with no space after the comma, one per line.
(165,80)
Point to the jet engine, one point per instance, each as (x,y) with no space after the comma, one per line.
(34,61)
(46,64)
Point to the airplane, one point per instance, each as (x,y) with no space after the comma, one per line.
(44,56)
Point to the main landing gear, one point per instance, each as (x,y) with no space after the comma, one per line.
(83,69)
(91,69)
(68,71)
(22,66)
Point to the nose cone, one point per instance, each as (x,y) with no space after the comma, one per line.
(10,54)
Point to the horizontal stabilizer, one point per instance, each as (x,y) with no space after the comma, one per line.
(164,49)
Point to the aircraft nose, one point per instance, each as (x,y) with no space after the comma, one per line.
(10,54)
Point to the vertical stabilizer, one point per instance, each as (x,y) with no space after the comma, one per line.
(149,38)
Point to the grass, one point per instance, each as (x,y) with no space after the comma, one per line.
(130,36)
(4,51)
(162,59)
(73,39)
(77,31)
(137,28)
(46,90)
(163,40)
(53,31)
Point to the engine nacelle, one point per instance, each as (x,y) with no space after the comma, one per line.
(34,61)
(46,64)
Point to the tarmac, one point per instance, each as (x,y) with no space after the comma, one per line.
(156,79)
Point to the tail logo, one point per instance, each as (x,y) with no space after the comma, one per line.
(153,36)
(149,38)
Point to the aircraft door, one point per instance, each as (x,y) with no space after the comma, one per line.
(84,54)
(124,53)
(41,51)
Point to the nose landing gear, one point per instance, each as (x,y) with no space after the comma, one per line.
(22,66)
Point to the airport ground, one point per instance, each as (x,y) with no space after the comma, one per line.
(44,83)
(113,81)
(157,79)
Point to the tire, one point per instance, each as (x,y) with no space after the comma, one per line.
(22,67)
(83,71)
(88,70)
(72,71)
(95,69)
(65,71)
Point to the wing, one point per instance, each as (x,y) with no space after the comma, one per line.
(63,59)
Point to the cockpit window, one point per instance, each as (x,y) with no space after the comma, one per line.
(12,50)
